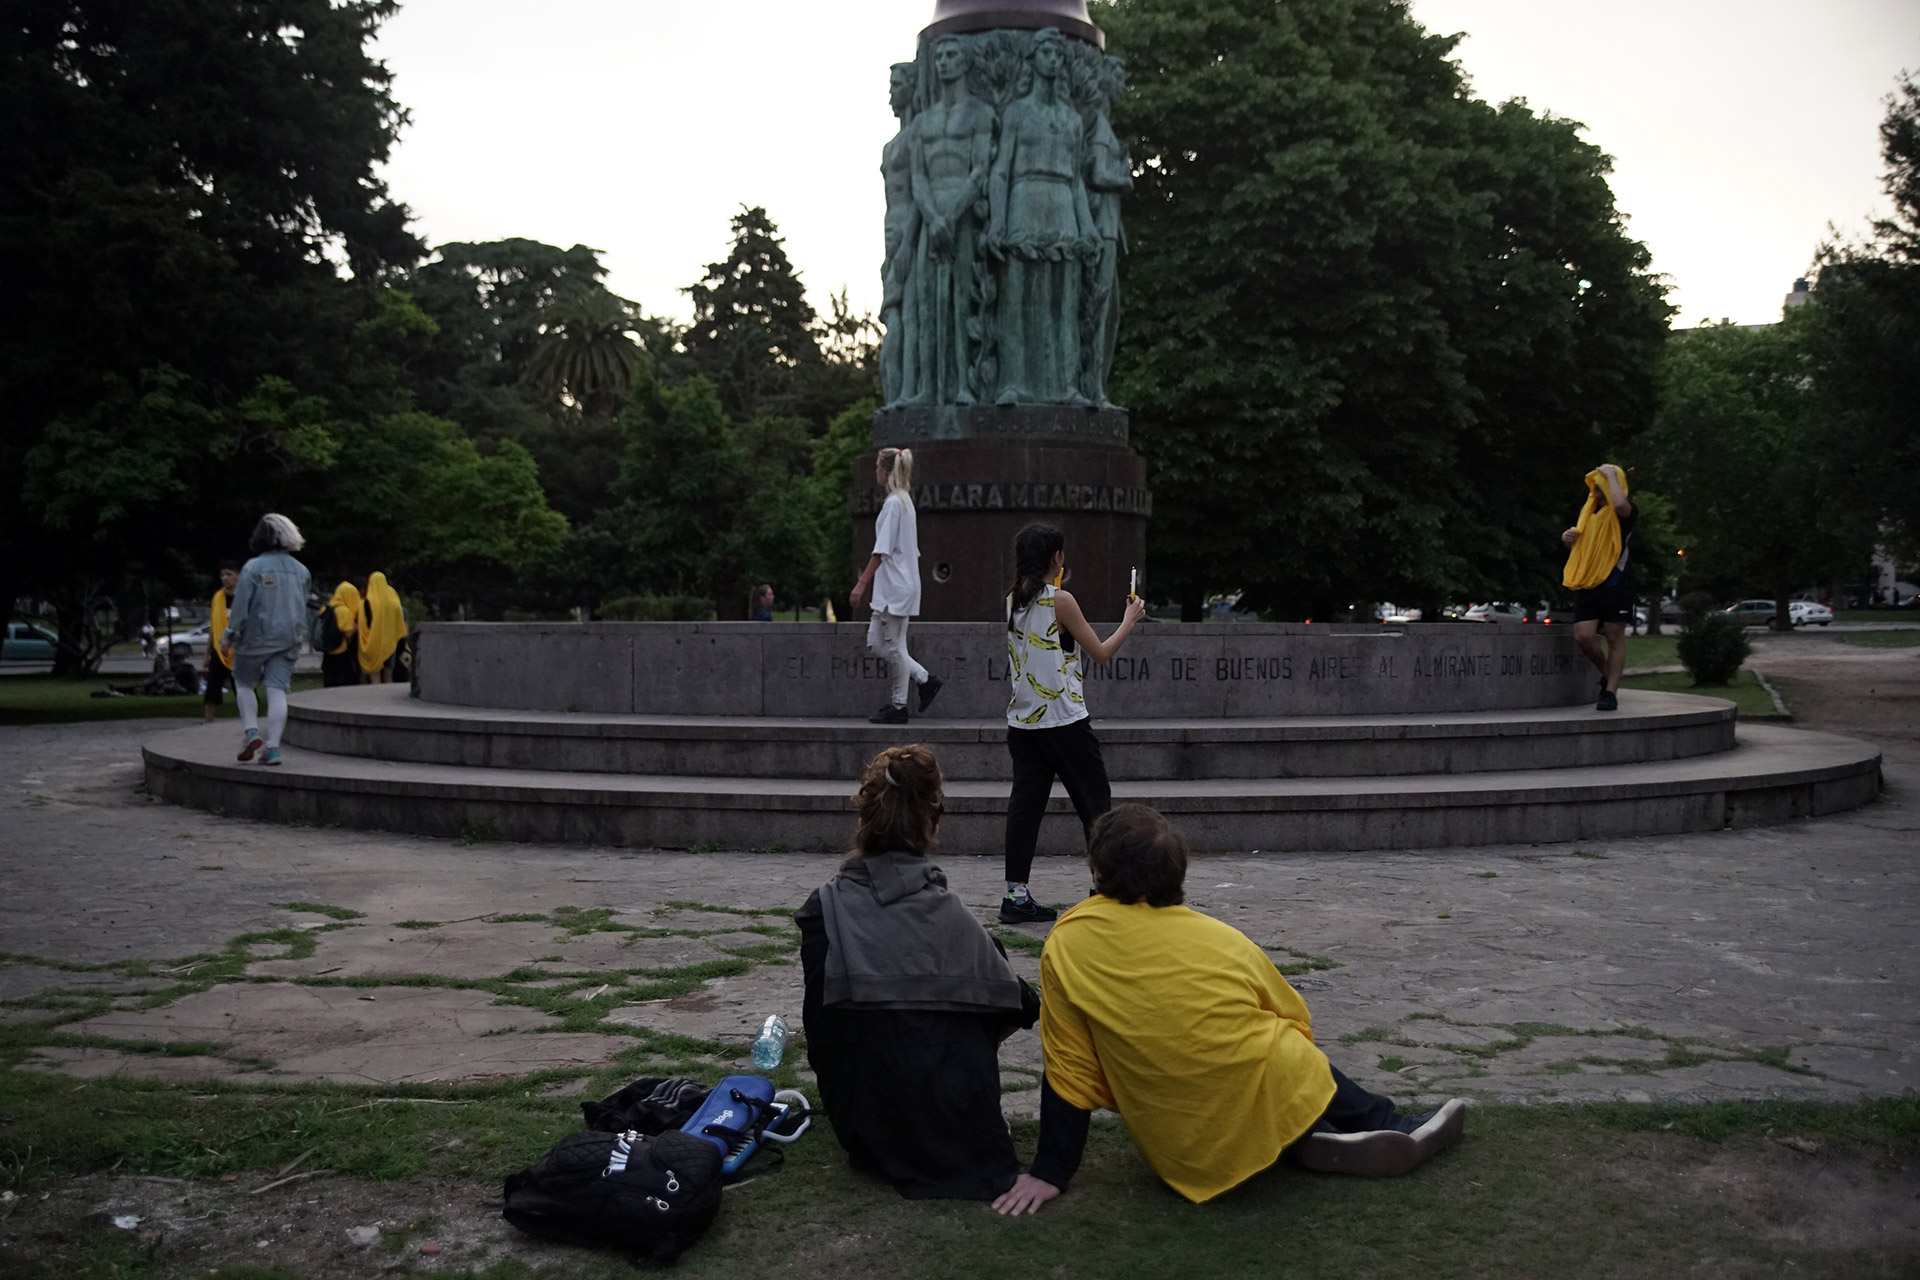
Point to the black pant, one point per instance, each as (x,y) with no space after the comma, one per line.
(1072,754)
(1355,1110)
(219,677)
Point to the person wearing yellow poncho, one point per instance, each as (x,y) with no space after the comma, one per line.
(1599,574)
(383,626)
(1182,1025)
(340,665)
(219,660)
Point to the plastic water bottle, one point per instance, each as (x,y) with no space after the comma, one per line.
(771,1045)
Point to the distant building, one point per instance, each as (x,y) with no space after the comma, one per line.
(1800,296)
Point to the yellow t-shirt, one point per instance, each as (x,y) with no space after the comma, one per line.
(218,627)
(1182,1025)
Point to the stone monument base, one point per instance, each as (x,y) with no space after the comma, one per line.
(981,473)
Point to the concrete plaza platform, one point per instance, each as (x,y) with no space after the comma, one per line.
(1666,785)
(381,722)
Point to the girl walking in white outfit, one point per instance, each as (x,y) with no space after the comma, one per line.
(893,571)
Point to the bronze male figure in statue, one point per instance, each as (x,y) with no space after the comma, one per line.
(952,153)
(902,232)
(1040,229)
(1109,176)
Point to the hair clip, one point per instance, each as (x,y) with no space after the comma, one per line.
(891,780)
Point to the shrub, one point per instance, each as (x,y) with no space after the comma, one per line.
(1713,646)
(656,609)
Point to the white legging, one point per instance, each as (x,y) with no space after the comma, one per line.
(893,647)
(276,712)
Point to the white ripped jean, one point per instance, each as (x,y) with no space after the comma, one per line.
(887,637)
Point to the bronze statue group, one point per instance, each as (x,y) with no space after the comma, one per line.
(1003,231)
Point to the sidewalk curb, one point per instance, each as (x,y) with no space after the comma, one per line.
(1781,714)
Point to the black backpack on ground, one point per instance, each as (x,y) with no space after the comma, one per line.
(651,1104)
(650,1196)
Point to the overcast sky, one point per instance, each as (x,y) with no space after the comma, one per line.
(1740,128)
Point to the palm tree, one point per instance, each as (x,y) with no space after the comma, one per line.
(587,351)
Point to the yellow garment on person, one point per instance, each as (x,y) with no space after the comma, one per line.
(1597,550)
(385,624)
(217,627)
(346,613)
(1182,1025)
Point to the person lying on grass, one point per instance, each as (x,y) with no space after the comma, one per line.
(907,1000)
(1183,1026)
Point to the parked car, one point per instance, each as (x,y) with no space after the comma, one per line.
(1498,611)
(1809,613)
(1755,613)
(29,643)
(184,644)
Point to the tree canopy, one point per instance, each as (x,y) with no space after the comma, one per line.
(1376,328)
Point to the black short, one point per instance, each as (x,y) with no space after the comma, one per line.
(1609,602)
(219,676)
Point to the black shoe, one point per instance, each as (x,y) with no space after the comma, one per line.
(1028,912)
(888,715)
(1609,701)
(929,691)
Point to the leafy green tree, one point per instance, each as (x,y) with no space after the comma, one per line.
(753,330)
(1743,447)
(1375,327)
(1864,338)
(532,347)
(182,176)
(848,439)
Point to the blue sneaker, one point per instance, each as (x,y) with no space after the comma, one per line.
(272,756)
(252,744)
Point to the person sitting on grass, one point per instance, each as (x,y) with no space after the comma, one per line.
(907,1000)
(1183,1026)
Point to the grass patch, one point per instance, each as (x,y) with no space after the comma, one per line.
(1549,1184)
(1744,692)
(416,924)
(1881,639)
(1653,651)
(26,700)
(1876,615)
(322,909)
(1017,941)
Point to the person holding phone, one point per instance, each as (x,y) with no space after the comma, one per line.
(1048,732)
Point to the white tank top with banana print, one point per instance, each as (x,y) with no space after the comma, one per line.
(1046,679)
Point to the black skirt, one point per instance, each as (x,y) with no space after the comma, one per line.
(914,1096)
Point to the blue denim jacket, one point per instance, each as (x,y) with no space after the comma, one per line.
(269,613)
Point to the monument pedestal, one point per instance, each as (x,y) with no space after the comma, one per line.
(981,472)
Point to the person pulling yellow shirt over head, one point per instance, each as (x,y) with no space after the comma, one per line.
(1599,573)
(383,627)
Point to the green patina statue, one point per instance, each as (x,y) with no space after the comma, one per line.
(1003,230)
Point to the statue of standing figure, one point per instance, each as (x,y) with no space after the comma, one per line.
(1041,230)
(952,148)
(1109,176)
(902,233)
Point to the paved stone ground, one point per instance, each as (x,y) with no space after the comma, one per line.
(1769,963)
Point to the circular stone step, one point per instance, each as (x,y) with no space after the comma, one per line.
(1772,775)
(380,722)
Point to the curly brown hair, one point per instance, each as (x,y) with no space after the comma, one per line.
(900,800)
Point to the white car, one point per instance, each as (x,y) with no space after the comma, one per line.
(1499,611)
(184,644)
(1809,613)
